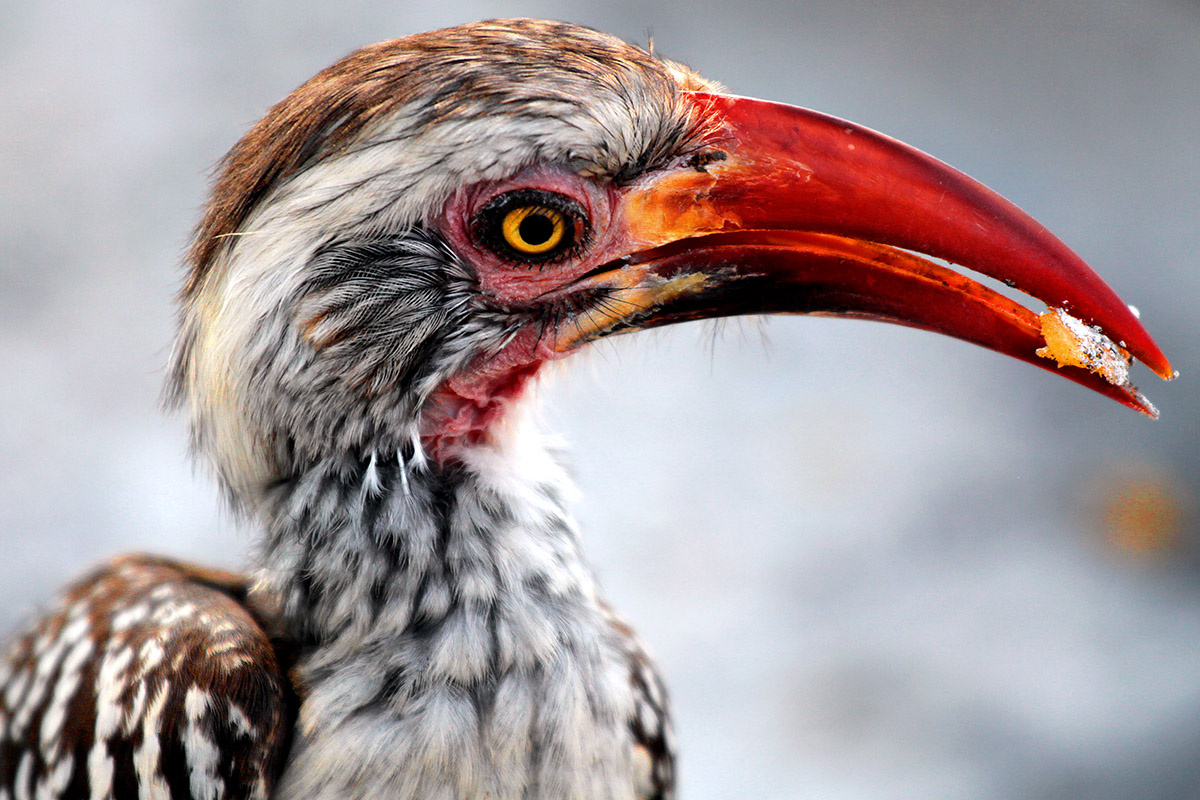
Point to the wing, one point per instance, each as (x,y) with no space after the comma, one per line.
(152,679)
(654,748)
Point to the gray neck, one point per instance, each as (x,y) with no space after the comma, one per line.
(446,623)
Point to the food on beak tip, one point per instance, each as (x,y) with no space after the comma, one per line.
(1072,342)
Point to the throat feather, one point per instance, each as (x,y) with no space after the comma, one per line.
(397,544)
(449,608)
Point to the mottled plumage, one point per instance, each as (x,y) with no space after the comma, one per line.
(150,677)
(434,631)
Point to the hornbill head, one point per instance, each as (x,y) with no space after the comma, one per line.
(394,251)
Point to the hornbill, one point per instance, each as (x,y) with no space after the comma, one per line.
(388,260)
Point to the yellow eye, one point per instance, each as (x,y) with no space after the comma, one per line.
(532,227)
(534,230)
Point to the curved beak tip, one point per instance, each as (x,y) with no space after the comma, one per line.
(804,213)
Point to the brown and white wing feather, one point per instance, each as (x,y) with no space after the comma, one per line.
(653,738)
(654,748)
(152,679)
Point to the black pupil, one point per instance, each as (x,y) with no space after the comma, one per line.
(536,229)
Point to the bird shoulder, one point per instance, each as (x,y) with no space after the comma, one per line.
(151,678)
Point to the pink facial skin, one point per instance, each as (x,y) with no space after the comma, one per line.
(464,409)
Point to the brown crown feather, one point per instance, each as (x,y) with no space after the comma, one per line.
(436,71)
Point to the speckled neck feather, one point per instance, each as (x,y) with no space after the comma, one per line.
(451,635)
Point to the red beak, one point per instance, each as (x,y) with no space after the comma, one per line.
(789,211)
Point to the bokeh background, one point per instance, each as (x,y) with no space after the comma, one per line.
(873,563)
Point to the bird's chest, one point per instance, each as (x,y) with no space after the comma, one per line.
(534,726)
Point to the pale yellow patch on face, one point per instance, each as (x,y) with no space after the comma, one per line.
(634,292)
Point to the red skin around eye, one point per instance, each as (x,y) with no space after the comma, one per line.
(464,408)
(515,285)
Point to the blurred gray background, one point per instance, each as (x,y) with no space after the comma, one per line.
(873,563)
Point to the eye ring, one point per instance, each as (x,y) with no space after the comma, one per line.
(532,226)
